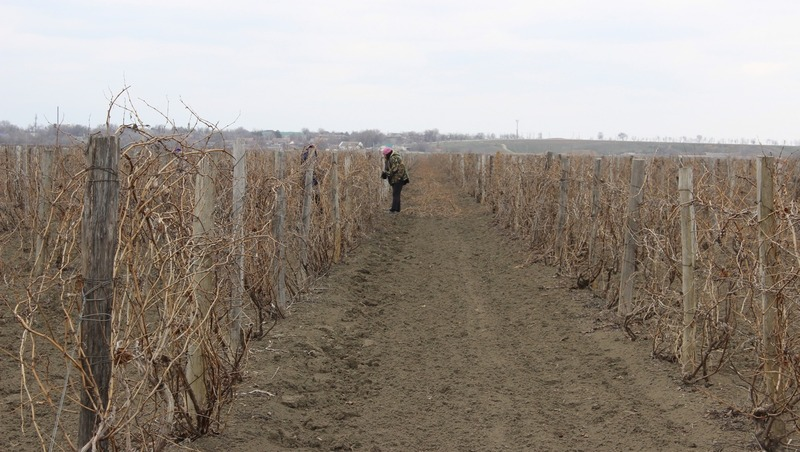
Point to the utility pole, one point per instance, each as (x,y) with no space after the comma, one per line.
(517,134)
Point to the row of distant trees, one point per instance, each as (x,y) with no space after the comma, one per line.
(70,133)
(53,134)
(622,136)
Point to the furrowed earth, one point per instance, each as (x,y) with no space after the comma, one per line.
(441,333)
(438,334)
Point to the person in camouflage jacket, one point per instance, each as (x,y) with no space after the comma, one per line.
(394,171)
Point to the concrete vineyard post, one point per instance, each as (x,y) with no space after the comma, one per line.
(686,199)
(631,235)
(99,236)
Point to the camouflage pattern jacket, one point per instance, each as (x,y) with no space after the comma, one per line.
(396,169)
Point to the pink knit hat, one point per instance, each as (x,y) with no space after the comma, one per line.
(386,150)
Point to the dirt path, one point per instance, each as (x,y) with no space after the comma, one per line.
(434,336)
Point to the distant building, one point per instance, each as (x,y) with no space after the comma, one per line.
(350,146)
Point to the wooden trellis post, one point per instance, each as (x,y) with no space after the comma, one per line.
(203,283)
(45,186)
(518,193)
(237,286)
(596,178)
(21,179)
(99,236)
(308,203)
(462,170)
(348,202)
(767,254)
(279,259)
(562,207)
(481,179)
(689,344)
(628,269)
(337,213)
(771,305)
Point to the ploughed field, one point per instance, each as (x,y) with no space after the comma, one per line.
(437,333)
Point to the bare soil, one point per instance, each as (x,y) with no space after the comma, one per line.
(437,334)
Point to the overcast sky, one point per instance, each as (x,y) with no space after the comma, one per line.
(566,68)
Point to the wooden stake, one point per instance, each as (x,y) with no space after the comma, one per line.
(562,207)
(279,260)
(337,214)
(628,269)
(237,286)
(596,178)
(203,284)
(308,203)
(767,255)
(689,345)
(43,204)
(99,236)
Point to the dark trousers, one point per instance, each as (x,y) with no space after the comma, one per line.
(396,189)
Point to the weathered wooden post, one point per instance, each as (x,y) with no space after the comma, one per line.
(689,344)
(337,213)
(481,195)
(462,171)
(596,179)
(203,282)
(612,163)
(237,286)
(385,189)
(628,269)
(348,202)
(731,179)
(98,243)
(548,161)
(279,259)
(43,203)
(21,179)
(770,303)
(488,190)
(308,203)
(562,207)
(518,193)
(767,254)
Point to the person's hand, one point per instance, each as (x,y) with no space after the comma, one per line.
(384,175)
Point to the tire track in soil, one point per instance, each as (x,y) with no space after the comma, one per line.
(433,336)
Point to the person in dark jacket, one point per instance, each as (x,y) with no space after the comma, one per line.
(394,171)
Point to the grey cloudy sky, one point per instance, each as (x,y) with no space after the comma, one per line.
(567,68)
